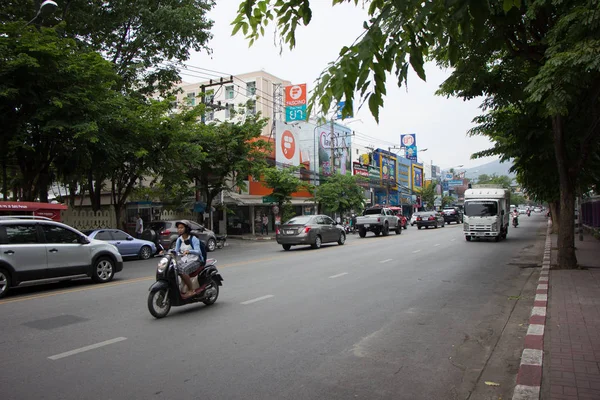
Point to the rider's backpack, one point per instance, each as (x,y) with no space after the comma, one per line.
(202,245)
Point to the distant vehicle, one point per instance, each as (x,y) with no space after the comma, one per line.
(401,217)
(312,230)
(522,211)
(430,218)
(39,249)
(127,245)
(452,214)
(379,220)
(537,209)
(413,218)
(487,210)
(164,234)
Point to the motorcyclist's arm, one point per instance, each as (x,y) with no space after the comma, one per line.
(178,245)
(196,247)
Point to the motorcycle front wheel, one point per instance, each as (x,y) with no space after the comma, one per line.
(212,293)
(159,304)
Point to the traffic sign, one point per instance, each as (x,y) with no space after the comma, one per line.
(269,199)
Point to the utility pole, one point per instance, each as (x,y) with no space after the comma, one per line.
(332,147)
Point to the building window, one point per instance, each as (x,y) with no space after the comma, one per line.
(191,99)
(229,92)
(250,88)
(227,113)
(210,98)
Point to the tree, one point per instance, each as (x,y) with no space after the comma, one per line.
(52,92)
(447,201)
(341,194)
(503,180)
(514,53)
(284,182)
(428,196)
(221,156)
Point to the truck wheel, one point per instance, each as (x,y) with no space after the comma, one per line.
(468,238)
(398,230)
(386,230)
(377,232)
(362,232)
(419,226)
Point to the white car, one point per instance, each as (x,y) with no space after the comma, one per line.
(537,209)
(39,249)
(413,219)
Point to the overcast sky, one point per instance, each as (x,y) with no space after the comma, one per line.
(440,124)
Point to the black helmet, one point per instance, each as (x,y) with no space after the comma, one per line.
(186,224)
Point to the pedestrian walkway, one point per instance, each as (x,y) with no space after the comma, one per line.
(572,337)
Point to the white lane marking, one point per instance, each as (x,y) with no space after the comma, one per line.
(338,275)
(257,299)
(452,240)
(436,245)
(417,251)
(384,261)
(86,348)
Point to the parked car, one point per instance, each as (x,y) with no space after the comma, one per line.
(37,249)
(164,234)
(127,245)
(452,214)
(313,230)
(430,218)
(398,212)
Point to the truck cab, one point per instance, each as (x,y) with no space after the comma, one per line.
(486,212)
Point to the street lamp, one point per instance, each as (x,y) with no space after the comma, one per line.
(46,8)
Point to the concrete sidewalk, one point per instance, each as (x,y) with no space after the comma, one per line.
(571,359)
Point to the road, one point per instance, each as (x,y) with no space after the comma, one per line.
(421,315)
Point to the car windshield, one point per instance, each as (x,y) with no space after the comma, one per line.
(374,211)
(300,220)
(481,208)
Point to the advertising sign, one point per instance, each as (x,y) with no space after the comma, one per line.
(448,176)
(341,145)
(409,143)
(295,103)
(296,144)
(455,183)
(417,178)
(388,171)
(361,170)
(340,107)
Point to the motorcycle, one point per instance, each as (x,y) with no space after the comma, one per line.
(168,289)
(529,213)
(515,221)
(221,241)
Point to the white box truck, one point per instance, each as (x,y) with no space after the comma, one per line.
(486,212)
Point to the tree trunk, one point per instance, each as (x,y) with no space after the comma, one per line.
(554,215)
(4,180)
(567,258)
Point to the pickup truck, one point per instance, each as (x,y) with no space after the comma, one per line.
(379,220)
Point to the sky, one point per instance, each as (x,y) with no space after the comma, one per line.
(440,124)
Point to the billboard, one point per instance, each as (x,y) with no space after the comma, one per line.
(295,103)
(388,171)
(409,144)
(339,145)
(296,145)
(417,175)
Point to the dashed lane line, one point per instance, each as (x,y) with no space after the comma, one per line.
(86,348)
(338,275)
(257,299)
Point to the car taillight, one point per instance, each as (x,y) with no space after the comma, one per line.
(419,219)
(378,219)
(432,218)
(306,229)
(166,232)
(277,231)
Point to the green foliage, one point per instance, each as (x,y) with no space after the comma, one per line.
(428,196)
(284,182)
(341,194)
(503,180)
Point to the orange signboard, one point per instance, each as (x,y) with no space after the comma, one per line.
(295,95)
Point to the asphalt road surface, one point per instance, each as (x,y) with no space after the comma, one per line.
(421,315)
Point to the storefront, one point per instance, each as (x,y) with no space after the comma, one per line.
(47,210)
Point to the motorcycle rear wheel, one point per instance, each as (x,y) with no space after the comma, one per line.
(214,295)
(155,300)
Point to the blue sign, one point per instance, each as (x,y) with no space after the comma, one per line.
(340,107)
(295,113)
(445,186)
(455,183)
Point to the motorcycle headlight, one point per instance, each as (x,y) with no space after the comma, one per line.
(162,264)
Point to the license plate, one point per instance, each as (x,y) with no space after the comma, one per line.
(367,225)
(290,232)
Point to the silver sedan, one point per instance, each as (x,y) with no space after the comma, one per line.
(313,230)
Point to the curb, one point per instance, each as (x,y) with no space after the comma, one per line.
(529,378)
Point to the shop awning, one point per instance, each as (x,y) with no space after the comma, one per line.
(250,200)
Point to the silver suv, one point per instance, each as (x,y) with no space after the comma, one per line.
(39,249)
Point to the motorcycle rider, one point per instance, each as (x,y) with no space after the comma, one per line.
(515,217)
(191,260)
